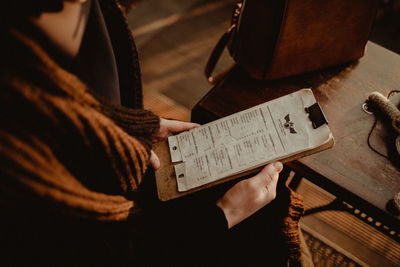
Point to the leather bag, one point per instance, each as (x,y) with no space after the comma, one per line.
(273,39)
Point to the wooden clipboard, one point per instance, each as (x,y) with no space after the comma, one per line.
(167,187)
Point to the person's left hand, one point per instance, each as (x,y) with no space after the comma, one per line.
(168,128)
(249,195)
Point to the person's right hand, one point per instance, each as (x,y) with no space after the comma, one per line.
(248,196)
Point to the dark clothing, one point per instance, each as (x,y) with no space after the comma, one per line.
(95,63)
(75,187)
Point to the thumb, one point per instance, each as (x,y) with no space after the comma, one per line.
(154,160)
(269,175)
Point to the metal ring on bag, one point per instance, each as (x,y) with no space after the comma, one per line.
(365,108)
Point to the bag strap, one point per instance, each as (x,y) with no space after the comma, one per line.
(215,56)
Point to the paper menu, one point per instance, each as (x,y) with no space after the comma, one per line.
(245,140)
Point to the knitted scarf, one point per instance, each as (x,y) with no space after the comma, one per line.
(60,143)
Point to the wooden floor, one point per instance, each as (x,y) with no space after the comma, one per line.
(174,40)
(347,231)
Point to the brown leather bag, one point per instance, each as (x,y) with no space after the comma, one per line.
(272,39)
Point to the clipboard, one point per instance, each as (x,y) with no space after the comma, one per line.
(166,180)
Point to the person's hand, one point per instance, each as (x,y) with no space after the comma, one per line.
(168,128)
(248,196)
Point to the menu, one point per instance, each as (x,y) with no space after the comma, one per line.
(245,140)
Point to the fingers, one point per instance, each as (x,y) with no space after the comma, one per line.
(174,126)
(154,160)
(272,168)
(169,127)
(268,177)
(248,196)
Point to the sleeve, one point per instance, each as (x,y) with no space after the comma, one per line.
(136,122)
(208,230)
(202,222)
(192,231)
(57,151)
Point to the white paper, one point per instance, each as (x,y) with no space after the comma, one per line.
(246,140)
(174,149)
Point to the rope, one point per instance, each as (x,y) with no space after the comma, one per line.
(377,100)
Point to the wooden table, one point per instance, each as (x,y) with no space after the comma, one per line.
(351,170)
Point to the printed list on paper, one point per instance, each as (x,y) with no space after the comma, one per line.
(245,140)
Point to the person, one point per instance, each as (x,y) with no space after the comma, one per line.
(76,159)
